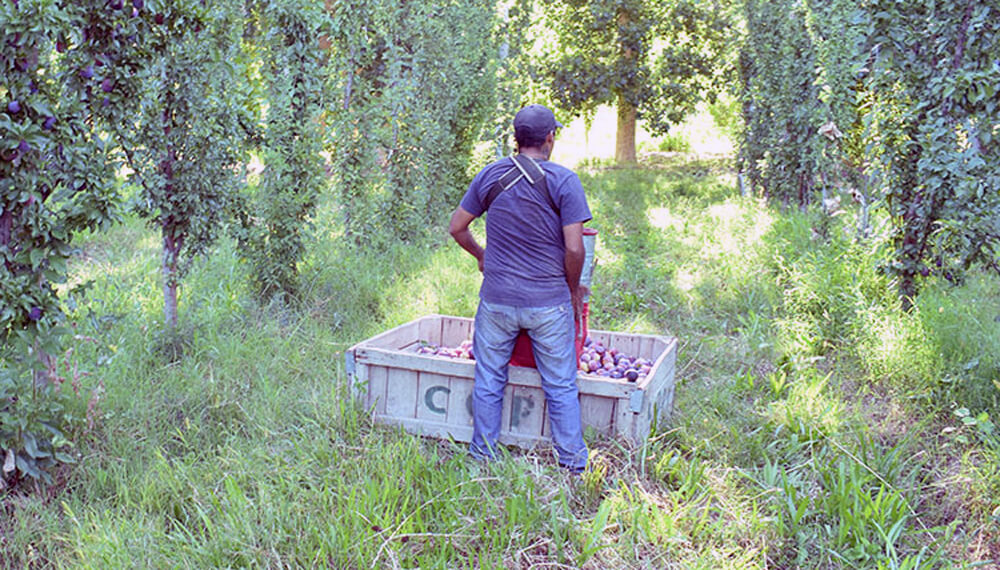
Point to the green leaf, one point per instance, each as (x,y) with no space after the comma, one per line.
(36,255)
(28,466)
(31,447)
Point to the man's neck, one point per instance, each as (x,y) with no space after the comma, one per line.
(535,153)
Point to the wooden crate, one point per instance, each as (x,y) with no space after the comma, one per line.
(432,395)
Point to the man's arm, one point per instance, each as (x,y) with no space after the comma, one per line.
(573,238)
(459,229)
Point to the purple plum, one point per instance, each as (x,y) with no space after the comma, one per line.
(23,147)
(14,107)
(35,313)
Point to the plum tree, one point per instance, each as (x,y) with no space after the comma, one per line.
(56,180)
(276,213)
(414,83)
(184,140)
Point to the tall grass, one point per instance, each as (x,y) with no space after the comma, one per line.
(813,425)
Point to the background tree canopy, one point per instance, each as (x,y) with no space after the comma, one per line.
(654,61)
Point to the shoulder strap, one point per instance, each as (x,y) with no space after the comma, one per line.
(524,166)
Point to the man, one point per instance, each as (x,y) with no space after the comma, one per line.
(531,281)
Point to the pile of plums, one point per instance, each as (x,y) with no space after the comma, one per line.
(605,361)
(596,359)
(463,350)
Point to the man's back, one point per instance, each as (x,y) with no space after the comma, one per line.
(523,263)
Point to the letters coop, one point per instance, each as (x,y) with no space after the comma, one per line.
(428,391)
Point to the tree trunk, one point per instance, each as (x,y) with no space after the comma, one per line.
(907,290)
(44,377)
(625,141)
(171,249)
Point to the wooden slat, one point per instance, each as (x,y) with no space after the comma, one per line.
(377,379)
(659,392)
(664,359)
(628,345)
(454,330)
(625,420)
(359,382)
(656,348)
(401,393)
(599,336)
(432,429)
(429,329)
(419,362)
(433,396)
(646,348)
(546,425)
(460,402)
(393,338)
(461,434)
(508,397)
(527,411)
(522,441)
(598,413)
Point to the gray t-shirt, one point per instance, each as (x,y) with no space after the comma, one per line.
(525,254)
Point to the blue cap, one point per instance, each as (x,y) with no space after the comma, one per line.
(535,121)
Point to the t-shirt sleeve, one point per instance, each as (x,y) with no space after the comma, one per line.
(472,202)
(573,208)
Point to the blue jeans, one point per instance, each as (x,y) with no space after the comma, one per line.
(551,330)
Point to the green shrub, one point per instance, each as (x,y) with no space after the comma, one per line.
(961,326)
(725,112)
(674,142)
